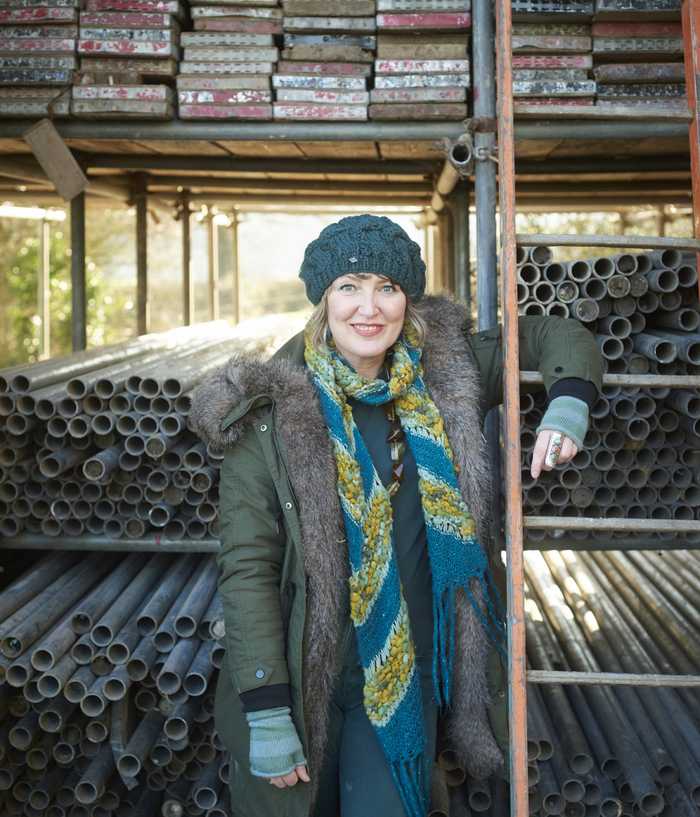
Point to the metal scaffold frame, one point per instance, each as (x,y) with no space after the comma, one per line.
(514,521)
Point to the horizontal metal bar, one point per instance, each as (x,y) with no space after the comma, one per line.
(676,381)
(597,523)
(553,129)
(540,676)
(628,543)
(86,543)
(612,241)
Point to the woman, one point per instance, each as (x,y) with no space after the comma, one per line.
(359,603)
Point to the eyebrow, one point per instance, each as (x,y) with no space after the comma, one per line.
(364,275)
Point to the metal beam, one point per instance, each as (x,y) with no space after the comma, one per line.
(44,289)
(275,186)
(77,273)
(690,16)
(352,200)
(187,289)
(140,199)
(213,267)
(459,206)
(236,317)
(28,169)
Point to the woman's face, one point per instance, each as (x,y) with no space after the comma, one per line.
(365,315)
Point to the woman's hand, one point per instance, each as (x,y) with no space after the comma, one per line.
(291,779)
(542,462)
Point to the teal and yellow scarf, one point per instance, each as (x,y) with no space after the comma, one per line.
(392,695)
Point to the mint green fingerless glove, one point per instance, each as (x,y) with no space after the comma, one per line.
(275,748)
(569,415)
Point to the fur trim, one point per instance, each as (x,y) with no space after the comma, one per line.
(452,378)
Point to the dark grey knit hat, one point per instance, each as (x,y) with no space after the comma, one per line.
(363,244)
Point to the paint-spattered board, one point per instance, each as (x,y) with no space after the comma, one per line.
(174,7)
(640,72)
(206,97)
(224,53)
(143,93)
(651,90)
(423,81)
(146,35)
(554,102)
(553,29)
(325,8)
(319,83)
(534,43)
(631,9)
(40,63)
(222,68)
(421,67)
(35,107)
(222,83)
(554,88)
(23,4)
(663,109)
(224,112)
(348,25)
(423,5)
(242,24)
(424,21)
(250,12)
(421,50)
(269,3)
(552,61)
(420,111)
(32,32)
(31,76)
(545,10)
(142,66)
(129,19)
(598,111)
(311,111)
(340,69)
(387,95)
(38,14)
(635,48)
(367,41)
(322,97)
(328,53)
(548,74)
(636,29)
(124,46)
(214,38)
(40,45)
(121,108)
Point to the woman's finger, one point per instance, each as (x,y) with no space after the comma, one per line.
(303,774)
(291,779)
(539,453)
(278,783)
(568,450)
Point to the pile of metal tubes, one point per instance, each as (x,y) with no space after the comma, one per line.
(108,665)
(97,443)
(641,457)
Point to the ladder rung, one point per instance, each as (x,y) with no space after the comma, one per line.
(614,241)
(540,676)
(678,381)
(615,524)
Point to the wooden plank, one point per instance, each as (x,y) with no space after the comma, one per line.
(319,83)
(421,66)
(328,53)
(263,149)
(341,24)
(29,76)
(129,19)
(205,97)
(665,90)
(146,67)
(184,147)
(56,160)
(554,88)
(13,146)
(335,150)
(311,111)
(424,21)
(423,5)
(121,108)
(553,29)
(422,81)
(545,10)
(546,106)
(33,31)
(39,46)
(223,83)
(540,74)
(339,69)
(222,68)
(411,150)
(623,112)
(634,29)
(109,146)
(334,97)
(365,41)
(626,9)
(147,93)
(418,111)
(552,61)
(418,95)
(249,12)
(35,107)
(224,53)
(329,8)
(640,72)
(224,112)
(145,35)
(33,3)
(135,47)
(240,24)
(212,38)
(636,47)
(174,7)
(534,43)
(38,14)
(423,51)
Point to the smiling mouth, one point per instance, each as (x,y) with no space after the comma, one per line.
(367,329)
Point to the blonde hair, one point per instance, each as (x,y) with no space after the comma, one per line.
(318,322)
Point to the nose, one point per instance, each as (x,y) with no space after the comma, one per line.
(368,306)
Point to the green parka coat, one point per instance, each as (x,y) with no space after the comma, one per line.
(283,563)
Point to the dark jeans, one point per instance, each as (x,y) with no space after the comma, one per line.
(356,780)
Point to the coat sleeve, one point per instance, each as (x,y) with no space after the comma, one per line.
(250,564)
(561,349)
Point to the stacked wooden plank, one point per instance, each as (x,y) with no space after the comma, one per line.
(637,9)
(126,47)
(37,56)
(552,55)
(640,64)
(326,61)
(422,65)
(228,60)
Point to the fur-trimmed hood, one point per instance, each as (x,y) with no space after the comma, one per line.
(225,405)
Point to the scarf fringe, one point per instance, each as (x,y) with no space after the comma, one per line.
(409,777)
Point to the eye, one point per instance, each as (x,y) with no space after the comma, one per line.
(346,288)
(389,288)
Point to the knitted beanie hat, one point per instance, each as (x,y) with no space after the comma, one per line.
(363,244)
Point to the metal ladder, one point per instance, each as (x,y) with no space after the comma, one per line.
(513,377)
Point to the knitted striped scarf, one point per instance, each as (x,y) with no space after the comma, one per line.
(392,695)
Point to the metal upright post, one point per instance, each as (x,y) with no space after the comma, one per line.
(236,269)
(187,294)
(213,265)
(77,273)
(460,244)
(140,199)
(690,15)
(44,289)
(485,203)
